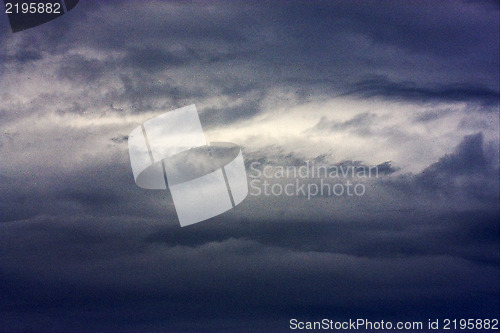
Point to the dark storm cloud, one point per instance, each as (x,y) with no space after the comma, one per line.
(130,267)
(23,57)
(381,87)
(467,159)
(467,174)
(204,279)
(288,44)
(142,91)
(154,59)
(377,238)
(426,27)
(77,68)
(83,248)
(370,38)
(272,156)
(100,189)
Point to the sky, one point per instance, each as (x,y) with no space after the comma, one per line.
(410,88)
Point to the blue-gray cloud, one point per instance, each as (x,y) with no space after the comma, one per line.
(82,248)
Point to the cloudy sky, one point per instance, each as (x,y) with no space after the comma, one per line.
(411,87)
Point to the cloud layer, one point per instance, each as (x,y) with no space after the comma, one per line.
(406,87)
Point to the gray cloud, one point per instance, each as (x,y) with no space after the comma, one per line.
(83,248)
(381,87)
